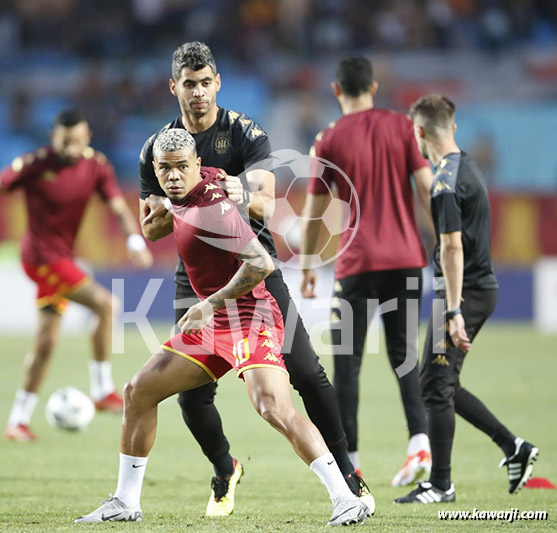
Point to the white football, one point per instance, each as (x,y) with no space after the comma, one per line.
(69,408)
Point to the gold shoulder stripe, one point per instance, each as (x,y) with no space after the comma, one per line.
(246,122)
(29,158)
(332,124)
(41,153)
(256,132)
(233,116)
(166,126)
(88,153)
(319,136)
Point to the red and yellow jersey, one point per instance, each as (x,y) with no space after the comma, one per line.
(56,196)
(210,234)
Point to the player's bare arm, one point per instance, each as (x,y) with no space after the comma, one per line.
(260,198)
(313,210)
(156,220)
(257,264)
(452,264)
(138,252)
(262,193)
(424,180)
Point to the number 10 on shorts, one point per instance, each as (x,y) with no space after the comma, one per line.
(241,351)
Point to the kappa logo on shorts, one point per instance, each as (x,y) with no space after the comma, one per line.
(440,360)
(267,344)
(271,357)
(442,344)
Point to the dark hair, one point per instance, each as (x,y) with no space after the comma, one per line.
(354,75)
(436,110)
(193,55)
(69,118)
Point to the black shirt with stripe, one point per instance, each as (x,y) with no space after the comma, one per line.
(233,143)
(459,202)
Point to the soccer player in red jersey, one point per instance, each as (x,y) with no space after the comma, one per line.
(237,324)
(58,182)
(231,141)
(377,151)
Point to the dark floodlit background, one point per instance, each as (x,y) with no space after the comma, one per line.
(496,59)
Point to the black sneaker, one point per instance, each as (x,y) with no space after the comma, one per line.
(360,489)
(427,493)
(520,465)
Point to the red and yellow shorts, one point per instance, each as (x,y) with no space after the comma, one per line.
(54,280)
(219,350)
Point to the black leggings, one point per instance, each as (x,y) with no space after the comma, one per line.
(306,375)
(360,291)
(444,396)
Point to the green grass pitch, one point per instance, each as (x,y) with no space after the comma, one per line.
(46,484)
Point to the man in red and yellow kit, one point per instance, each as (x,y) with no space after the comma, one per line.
(236,324)
(58,182)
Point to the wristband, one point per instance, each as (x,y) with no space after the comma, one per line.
(135,243)
(168,204)
(245,200)
(453,313)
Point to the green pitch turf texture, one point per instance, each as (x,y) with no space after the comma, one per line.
(46,484)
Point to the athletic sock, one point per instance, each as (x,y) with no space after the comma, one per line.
(505,440)
(330,475)
(440,480)
(418,442)
(224,466)
(342,457)
(100,379)
(130,479)
(441,433)
(473,410)
(354,459)
(23,407)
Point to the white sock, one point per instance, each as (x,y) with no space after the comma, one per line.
(419,441)
(130,479)
(23,407)
(354,459)
(100,379)
(330,475)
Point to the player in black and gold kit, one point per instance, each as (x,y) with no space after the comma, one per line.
(462,259)
(236,144)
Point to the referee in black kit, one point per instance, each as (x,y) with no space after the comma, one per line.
(461,217)
(231,141)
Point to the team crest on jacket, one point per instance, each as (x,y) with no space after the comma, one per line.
(222,142)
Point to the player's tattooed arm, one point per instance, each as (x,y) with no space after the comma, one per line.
(156,220)
(257,264)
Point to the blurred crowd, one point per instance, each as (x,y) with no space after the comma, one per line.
(244,29)
(112,58)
